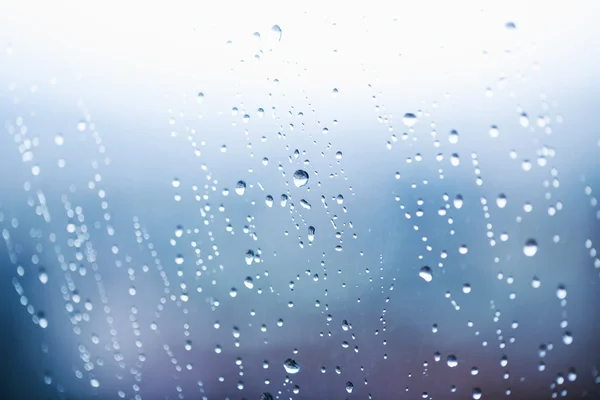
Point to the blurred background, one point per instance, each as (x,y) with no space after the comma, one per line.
(315,200)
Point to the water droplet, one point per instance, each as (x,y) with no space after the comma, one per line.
(248,282)
(300,178)
(425,273)
(349,387)
(494,131)
(311,233)
(458,201)
(453,137)
(269,201)
(561,292)
(510,25)
(276,32)
(266,396)
(240,187)
(233,292)
(409,119)
(452,361)
(501,200)
(291,366)
(249,257)
(567,338)
(338,155)
(59,139)
(179,259)
(530,248)
(200,97)
(477,393)
(536,283)
(81,126)
(178,231)
(455,160)
(466,288)
(94,383)
(524,120)
(43,276)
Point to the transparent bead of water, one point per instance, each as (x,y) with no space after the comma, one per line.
(276,32)
(409,119)
(300,178)
(452,361)
(240,188)
(291,366)
(530,247)
(425,273)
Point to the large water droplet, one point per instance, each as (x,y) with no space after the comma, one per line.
(524,120)
(453,137)
(291,366)
(561,292)
(276,32)
(501,200)
(530,248)
(300,178)
(425,273)
(494,131)
(311,233)
(409,119)
(248,282)
(349,387)
(240,187)
(452,361)
(567,338)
